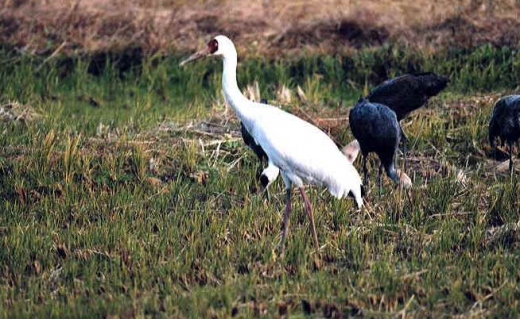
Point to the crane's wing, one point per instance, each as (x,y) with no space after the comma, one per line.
(250,141)
(298,147)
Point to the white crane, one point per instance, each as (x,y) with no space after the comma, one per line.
(301,151)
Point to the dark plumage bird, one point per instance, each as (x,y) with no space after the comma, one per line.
(505,124)
(376,128)
(259,152)
(407,93)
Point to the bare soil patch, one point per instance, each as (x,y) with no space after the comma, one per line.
(258,26)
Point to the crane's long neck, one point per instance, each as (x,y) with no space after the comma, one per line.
(234,97)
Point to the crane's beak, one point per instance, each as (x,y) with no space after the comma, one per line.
(195,56)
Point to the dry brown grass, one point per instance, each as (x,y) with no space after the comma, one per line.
(263,26)
(17,112)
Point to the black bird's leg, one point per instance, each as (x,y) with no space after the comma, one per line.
(404,154)
(511,158)
(494,146)
(404,140)
(365,170)
(380,178)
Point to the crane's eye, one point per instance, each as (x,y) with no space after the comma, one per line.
(213,46)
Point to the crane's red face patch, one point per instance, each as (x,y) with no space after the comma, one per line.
(212,46)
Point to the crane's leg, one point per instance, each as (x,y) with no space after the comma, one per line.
(380,178)
(365,170)
(308,207)
(286,214)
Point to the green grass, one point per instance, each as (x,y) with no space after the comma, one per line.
(89,228)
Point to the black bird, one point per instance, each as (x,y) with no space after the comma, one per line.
(259,152)
(407,93)
(505,124)
(376,128)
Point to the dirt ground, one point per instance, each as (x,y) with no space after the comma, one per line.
(263,27)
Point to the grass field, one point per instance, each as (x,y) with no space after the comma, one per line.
(130,194)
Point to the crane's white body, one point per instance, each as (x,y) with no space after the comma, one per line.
(302,152)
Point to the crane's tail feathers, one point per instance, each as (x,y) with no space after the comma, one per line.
(351,151)
(269,174)
(346,181)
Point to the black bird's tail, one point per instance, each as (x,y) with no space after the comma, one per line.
(408,92)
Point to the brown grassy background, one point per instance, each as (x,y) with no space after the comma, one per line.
(258,26)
